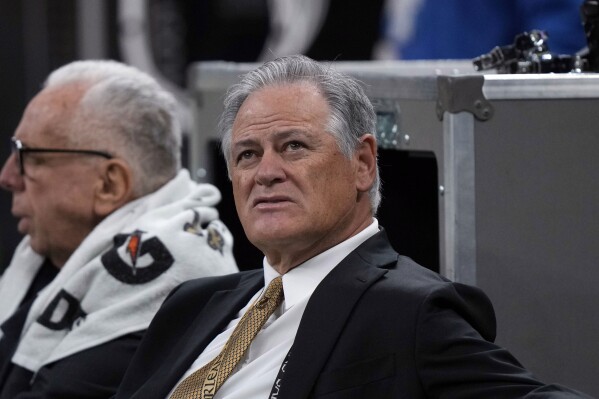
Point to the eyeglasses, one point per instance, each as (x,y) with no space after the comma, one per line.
(19,150)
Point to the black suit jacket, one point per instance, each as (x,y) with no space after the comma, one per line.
(378,326)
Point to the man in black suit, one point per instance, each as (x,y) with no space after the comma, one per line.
(358,320)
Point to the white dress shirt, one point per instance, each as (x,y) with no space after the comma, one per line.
(256,373)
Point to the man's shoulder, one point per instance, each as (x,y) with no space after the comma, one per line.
(378,251)
(407,271)
(409,280)
(92,373)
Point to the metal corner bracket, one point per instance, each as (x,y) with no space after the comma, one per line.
(463,93)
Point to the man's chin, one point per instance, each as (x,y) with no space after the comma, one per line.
(35,245)
(23,226)
(271,239)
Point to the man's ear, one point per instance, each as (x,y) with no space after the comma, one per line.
(114,188)
(366,157)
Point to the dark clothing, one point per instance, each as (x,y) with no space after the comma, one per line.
(93,373)
(378,326)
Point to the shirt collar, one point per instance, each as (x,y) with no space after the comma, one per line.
(301,281)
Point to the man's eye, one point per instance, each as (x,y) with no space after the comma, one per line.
(295,145)
(245,155)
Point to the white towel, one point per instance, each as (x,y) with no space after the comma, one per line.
(17,278)
(116,280)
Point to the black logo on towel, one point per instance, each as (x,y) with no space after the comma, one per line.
(137,268)
(62,313)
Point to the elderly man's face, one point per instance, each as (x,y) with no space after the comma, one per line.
(295,192)
(54,199)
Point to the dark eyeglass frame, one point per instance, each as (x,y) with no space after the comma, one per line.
(19,149)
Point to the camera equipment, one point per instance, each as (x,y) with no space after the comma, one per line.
(530,52)
(589,12)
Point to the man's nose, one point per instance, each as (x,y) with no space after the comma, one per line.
(10,177)
(270,169)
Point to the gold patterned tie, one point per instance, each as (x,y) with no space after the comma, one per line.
(203,383)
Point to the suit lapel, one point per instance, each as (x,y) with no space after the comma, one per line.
(216,314)
(327,312)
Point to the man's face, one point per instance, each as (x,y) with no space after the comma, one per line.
(295,192)
(54,199)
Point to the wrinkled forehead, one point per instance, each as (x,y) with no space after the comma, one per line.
(283,107)
(301,88)
(290,98)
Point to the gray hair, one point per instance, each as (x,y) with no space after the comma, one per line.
(125,111)
(352,114)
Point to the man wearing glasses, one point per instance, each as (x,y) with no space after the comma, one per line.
(111,224)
